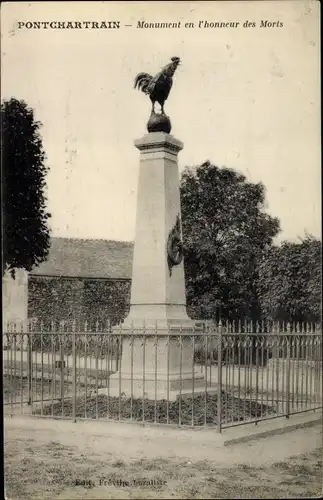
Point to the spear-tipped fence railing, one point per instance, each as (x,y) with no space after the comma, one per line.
(223,374)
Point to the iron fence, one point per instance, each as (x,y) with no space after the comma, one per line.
(211,375)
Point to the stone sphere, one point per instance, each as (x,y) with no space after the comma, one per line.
(159,123)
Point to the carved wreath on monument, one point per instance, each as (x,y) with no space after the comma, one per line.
(174,246)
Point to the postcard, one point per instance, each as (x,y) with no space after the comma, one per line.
(161,265)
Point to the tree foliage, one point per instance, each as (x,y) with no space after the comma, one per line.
(52,299)
(24,215)
(225,232)
(289,284)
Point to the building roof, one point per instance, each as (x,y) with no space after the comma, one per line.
(73,257)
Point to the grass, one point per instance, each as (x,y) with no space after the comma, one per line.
(202,408)
(50,470)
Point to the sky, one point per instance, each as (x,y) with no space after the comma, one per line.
(245,98)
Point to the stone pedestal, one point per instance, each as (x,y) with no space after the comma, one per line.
(157,295)
(149,367)
(15,306)
(156,366)
(15,297)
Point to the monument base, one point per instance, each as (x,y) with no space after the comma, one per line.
(158,337)
(156,366)
(148,387)
(160,318)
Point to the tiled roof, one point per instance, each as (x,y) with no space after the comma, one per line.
(73,257)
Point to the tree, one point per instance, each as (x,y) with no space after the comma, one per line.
(225,231)
(289,283)
(24,216)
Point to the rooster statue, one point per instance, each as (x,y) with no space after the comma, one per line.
(158,87)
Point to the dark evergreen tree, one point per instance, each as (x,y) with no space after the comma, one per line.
(23,181)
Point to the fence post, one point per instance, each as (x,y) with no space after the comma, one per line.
(62,361)
(219,398)
(29,361)
(73,372)
(288,339)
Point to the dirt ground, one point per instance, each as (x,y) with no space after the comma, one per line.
(54,459)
